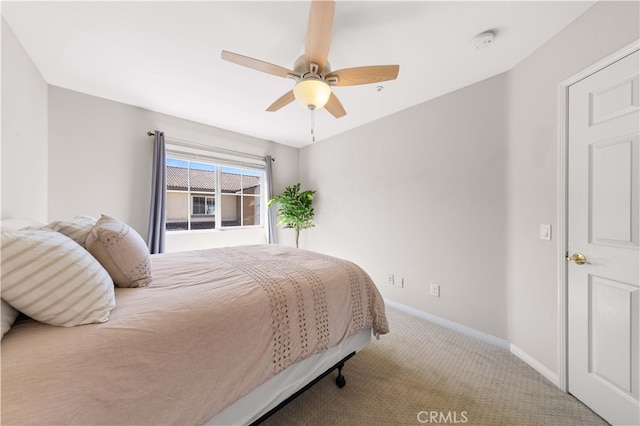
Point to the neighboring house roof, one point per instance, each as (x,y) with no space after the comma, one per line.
(179,178)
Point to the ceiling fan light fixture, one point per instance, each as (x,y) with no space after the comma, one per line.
(312,93)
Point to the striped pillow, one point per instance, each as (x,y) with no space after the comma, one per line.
(50,278)
(77,228)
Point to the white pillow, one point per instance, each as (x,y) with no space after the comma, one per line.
(122,252)
(50,278)
(9,315)
(77,228)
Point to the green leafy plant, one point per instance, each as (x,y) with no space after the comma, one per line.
(295,208)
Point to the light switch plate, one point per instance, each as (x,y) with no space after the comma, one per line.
(545,232)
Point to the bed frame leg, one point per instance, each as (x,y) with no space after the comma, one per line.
(340,380)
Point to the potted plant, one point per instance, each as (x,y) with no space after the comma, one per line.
(295,208)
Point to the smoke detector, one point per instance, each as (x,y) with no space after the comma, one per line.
(483,40)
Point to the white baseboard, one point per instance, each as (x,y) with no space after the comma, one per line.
(536,365)
(468,331)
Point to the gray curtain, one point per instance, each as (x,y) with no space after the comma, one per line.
(272,237)
(157,218)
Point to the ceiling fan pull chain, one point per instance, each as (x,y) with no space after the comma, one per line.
(313,136)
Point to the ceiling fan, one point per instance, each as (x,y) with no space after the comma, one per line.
(312,72)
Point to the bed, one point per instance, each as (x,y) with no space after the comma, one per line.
(219,336)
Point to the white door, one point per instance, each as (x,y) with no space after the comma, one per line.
(603,293)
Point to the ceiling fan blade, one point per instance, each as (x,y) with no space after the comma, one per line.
(257,64)
(364,75)
(335,107)
(283,100)
(319,30)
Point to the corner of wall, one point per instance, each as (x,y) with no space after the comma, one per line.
(24,133)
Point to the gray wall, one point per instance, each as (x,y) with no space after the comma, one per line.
(24,133)
(453,192)
(422,194)
(65,153)
(531,265)
(100,155)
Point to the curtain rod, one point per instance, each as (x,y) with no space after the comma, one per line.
(212,148)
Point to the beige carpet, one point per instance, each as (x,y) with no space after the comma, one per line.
(422,371)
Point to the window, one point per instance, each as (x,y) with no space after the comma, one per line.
(202,195)
(203,205)
(240,197)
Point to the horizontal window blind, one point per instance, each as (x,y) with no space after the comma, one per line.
(200,152)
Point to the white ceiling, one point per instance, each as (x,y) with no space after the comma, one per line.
(165,56)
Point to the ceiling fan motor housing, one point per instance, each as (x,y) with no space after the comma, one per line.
(300,67)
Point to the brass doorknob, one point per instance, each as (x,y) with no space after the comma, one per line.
(578,258)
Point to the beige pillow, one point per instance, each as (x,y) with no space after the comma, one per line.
(77,228)
(50,278)
(122,252)
(9,315)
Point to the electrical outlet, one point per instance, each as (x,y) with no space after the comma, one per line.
(398,281)
(391,279)
(434,290)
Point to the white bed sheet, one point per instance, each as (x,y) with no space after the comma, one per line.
(268,395)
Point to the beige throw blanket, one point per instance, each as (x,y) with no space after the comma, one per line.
(213,325)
